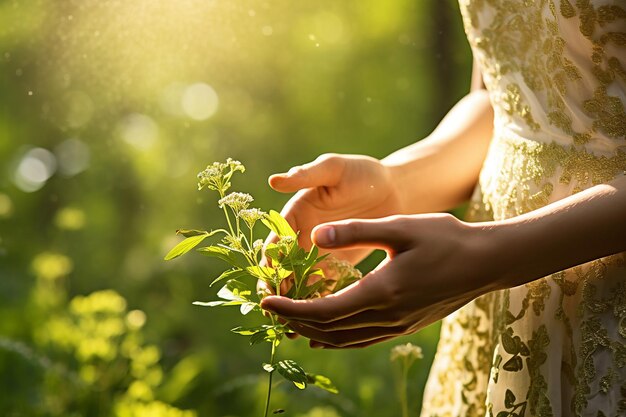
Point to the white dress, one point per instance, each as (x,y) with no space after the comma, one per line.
(556,74)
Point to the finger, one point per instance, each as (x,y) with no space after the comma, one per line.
(325,171)
(344,338)
(361,296)
(371,318)
(317,345)
(388,233)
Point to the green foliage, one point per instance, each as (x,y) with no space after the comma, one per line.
(108,82)
(244,254)
(185,246)
(96,357)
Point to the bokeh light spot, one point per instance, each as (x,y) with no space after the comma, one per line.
(70,218)
(136,319)
(6,206)
(51,266)
(35,168)
(139,131)
(329,27)
(73,156)
(200,101)
(267,30)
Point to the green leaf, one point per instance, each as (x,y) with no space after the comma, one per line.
(225,255)
(503,414)
(217,303)
(229,274)
(272,251)
(267,273)
(322,382)
(277,224)
(306,292)
(509,399)
(268,334)
(249,331)
(185,246)
(344,282)
(259,337)
(191,232)
(247,307)
(291,371)
(235,291)
(312,255)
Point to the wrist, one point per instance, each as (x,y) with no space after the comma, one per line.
(498,246)
(394,175)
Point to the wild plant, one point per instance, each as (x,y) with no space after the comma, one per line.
(274,265)
(406,355)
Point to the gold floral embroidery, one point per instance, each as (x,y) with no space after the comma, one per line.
(523,37)
(518,173)
(497,355)
(609,113)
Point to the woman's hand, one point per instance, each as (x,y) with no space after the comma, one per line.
(436,264)
(336,187)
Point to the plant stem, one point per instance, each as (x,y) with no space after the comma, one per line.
(403,389)
(230,226)
(269,383)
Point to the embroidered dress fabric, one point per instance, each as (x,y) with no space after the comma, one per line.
(556,75)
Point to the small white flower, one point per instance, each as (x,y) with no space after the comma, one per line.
(251,216)
(233,241)
(344,269)
(286,240)
(217,175)
(236,201)
(408,351)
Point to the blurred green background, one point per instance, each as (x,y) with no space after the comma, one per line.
(108,109)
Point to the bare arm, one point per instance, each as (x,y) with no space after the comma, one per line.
(437,264)
(577,229)
(440,171)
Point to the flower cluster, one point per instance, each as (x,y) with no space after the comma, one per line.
(251,216)
(257,245)
(217,175)
(233,242)
(346,273)
(406,351)
(236,201)
(244,253)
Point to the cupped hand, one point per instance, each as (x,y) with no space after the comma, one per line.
(336,187)
(436,264)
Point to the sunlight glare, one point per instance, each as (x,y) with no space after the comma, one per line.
(73,156)
(35,168)
(139,131)
(200,101)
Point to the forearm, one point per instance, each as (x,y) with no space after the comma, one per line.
(440,171)
(583,227)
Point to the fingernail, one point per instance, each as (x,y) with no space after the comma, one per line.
(325,236)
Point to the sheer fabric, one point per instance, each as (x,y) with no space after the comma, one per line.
(556,75)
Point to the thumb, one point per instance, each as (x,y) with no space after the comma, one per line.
(387,233)
(325,171)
